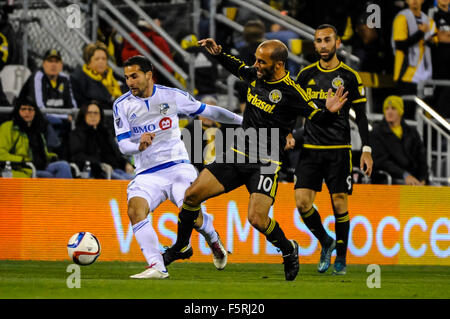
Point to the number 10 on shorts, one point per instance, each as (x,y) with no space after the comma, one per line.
(265,183)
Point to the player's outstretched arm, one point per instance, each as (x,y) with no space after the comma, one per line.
(336,102)
(222,115)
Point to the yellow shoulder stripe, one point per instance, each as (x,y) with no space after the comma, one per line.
(358,78)
(297,86)
(305,68)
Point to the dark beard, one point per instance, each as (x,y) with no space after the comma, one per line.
(268,76)
(330,55)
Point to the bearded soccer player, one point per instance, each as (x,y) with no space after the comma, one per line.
(273,102)
(146,126)
(326,153)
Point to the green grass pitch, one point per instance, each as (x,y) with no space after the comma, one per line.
(48,280)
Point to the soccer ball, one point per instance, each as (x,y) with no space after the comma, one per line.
(83,248)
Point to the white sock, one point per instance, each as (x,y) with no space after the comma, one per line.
(207,228)
(149,243)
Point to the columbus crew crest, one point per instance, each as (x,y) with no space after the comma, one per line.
(337,82)
(275,96)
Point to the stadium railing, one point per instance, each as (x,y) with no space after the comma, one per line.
(435,132)
(267,12)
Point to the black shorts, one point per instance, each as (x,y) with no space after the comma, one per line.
(257,177)
(332,165)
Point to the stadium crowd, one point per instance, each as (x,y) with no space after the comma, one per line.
(411,45)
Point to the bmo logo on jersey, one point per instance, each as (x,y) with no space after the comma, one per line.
(143,129)
(165,123)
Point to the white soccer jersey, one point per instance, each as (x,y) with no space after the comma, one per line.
(156,114)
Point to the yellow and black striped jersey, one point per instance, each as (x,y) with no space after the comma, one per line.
(272,104)
(336,134)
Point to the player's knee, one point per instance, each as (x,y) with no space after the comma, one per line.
(134,216)
(191,198)
(136,213)
(303,204)
(339,203)
(256,221)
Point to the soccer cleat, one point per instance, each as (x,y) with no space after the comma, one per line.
(220,255)
(291,263)
(170,255)
(340,267)
(325,256)
(151,273)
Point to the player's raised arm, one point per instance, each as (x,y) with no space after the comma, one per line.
(211,46)
(231,63)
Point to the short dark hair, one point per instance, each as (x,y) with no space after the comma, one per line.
(144,64)
(328,26)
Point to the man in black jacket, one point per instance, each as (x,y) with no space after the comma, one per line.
(51,88)
(397,147)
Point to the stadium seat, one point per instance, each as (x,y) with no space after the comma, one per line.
(381,177)
(13,78)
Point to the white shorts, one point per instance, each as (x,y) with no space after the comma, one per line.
(169,183)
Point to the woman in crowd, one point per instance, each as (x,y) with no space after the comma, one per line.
(91,141)
(22,139)
(95,80)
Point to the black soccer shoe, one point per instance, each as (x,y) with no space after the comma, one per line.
(291,263)
(170,255)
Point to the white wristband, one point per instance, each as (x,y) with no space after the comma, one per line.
(367,149)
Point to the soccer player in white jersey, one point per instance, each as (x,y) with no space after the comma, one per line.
(146,126)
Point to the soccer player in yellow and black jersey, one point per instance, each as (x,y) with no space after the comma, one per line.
(273,102)
(326,151)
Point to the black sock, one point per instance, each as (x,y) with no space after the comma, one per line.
(342,226)
(276,237)
(312,220)
(186,222)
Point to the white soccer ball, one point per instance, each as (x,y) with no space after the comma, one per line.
(83,248)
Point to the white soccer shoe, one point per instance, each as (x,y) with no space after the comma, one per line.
(220,254)
(151,273)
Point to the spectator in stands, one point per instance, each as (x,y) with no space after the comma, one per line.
(413,32)
(113,41)
(288,37)
(22,139)
(91,141)
(50,87)
(129,50)
(253,35)
(370,47)
(441,66)
(204,65)
(95,79)
(397,147)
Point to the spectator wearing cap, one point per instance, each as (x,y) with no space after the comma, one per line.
(95,80)
(397,147)
(50,87)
